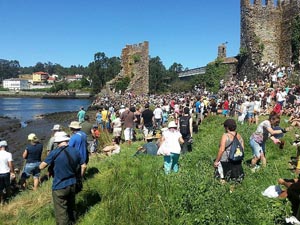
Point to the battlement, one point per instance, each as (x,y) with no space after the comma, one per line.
(273,4)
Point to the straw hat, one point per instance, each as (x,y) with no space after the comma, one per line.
(75,125)
(172,124)
(149,137)
(32,137)
(61,136)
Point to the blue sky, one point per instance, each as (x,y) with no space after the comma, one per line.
(70,32)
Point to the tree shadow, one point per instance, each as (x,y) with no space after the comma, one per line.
(87,200)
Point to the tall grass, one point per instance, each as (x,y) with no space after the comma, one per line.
(124,189)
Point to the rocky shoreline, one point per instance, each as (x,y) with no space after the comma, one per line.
(16,135)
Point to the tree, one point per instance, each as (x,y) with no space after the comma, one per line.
(157,72)
(39,67)
(9,68)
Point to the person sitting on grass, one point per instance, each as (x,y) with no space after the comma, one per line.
(149,148)
(112,149)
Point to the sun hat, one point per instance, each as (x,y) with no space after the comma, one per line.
(122,106)
(32,137)
(172,124)
(75,125)
(149,137)
(3,143)
(56,127)
(61,136)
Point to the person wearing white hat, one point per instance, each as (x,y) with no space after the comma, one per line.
(78,140)
(66,160)
(6,170)
(51,145)
(32,154)
(170,147)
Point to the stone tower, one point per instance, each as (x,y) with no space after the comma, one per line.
(266,32)
(135,65)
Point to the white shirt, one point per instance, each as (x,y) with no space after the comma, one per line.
(172,141)
(5,157)
(157,113)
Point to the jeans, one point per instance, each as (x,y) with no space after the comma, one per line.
(31,169)
(171,163)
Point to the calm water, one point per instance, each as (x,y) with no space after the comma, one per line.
(28,108)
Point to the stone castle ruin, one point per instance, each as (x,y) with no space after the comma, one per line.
(135,66)
(266,31)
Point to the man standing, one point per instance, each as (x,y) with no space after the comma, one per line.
(81,115)
(87,128)
(66,160)
(158,116)
(78,140)
(186,130)
(128,118)
(6,170)
(147,120)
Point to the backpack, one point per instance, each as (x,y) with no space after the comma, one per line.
(184,125)
(236,151)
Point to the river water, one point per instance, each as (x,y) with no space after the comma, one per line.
(26,109)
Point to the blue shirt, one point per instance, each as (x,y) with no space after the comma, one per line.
(79,142)
(64,171)
(34,153)
(197,105)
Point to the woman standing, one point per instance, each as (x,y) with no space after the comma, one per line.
(170,147)
(260,136)
(32,154)
(228,169)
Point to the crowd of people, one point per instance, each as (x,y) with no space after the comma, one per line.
(166,124)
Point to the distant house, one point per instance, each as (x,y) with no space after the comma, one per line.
(75,77)
(51,80)
(15,84)
(26,77)
(40,77)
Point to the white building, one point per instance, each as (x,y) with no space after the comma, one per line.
(15,84)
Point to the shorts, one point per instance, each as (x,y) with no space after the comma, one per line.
(31,169)
(225,112)
(128,133)
(250,115)
(257,149)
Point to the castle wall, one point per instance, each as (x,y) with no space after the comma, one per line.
(266,31)
(135,65)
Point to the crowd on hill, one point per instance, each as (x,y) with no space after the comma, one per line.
(167,123)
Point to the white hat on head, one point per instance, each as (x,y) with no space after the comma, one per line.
(172,124)
(61,136)
(75,125)
(3,143)
(56,127)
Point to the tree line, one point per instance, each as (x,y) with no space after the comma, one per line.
(105,68)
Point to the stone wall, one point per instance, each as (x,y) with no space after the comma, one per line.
(266,32)
(135,65)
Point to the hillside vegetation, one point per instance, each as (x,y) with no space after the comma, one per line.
(124,189)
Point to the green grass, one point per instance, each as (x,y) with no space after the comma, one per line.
(124,190)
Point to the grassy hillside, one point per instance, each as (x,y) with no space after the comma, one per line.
(123,189)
